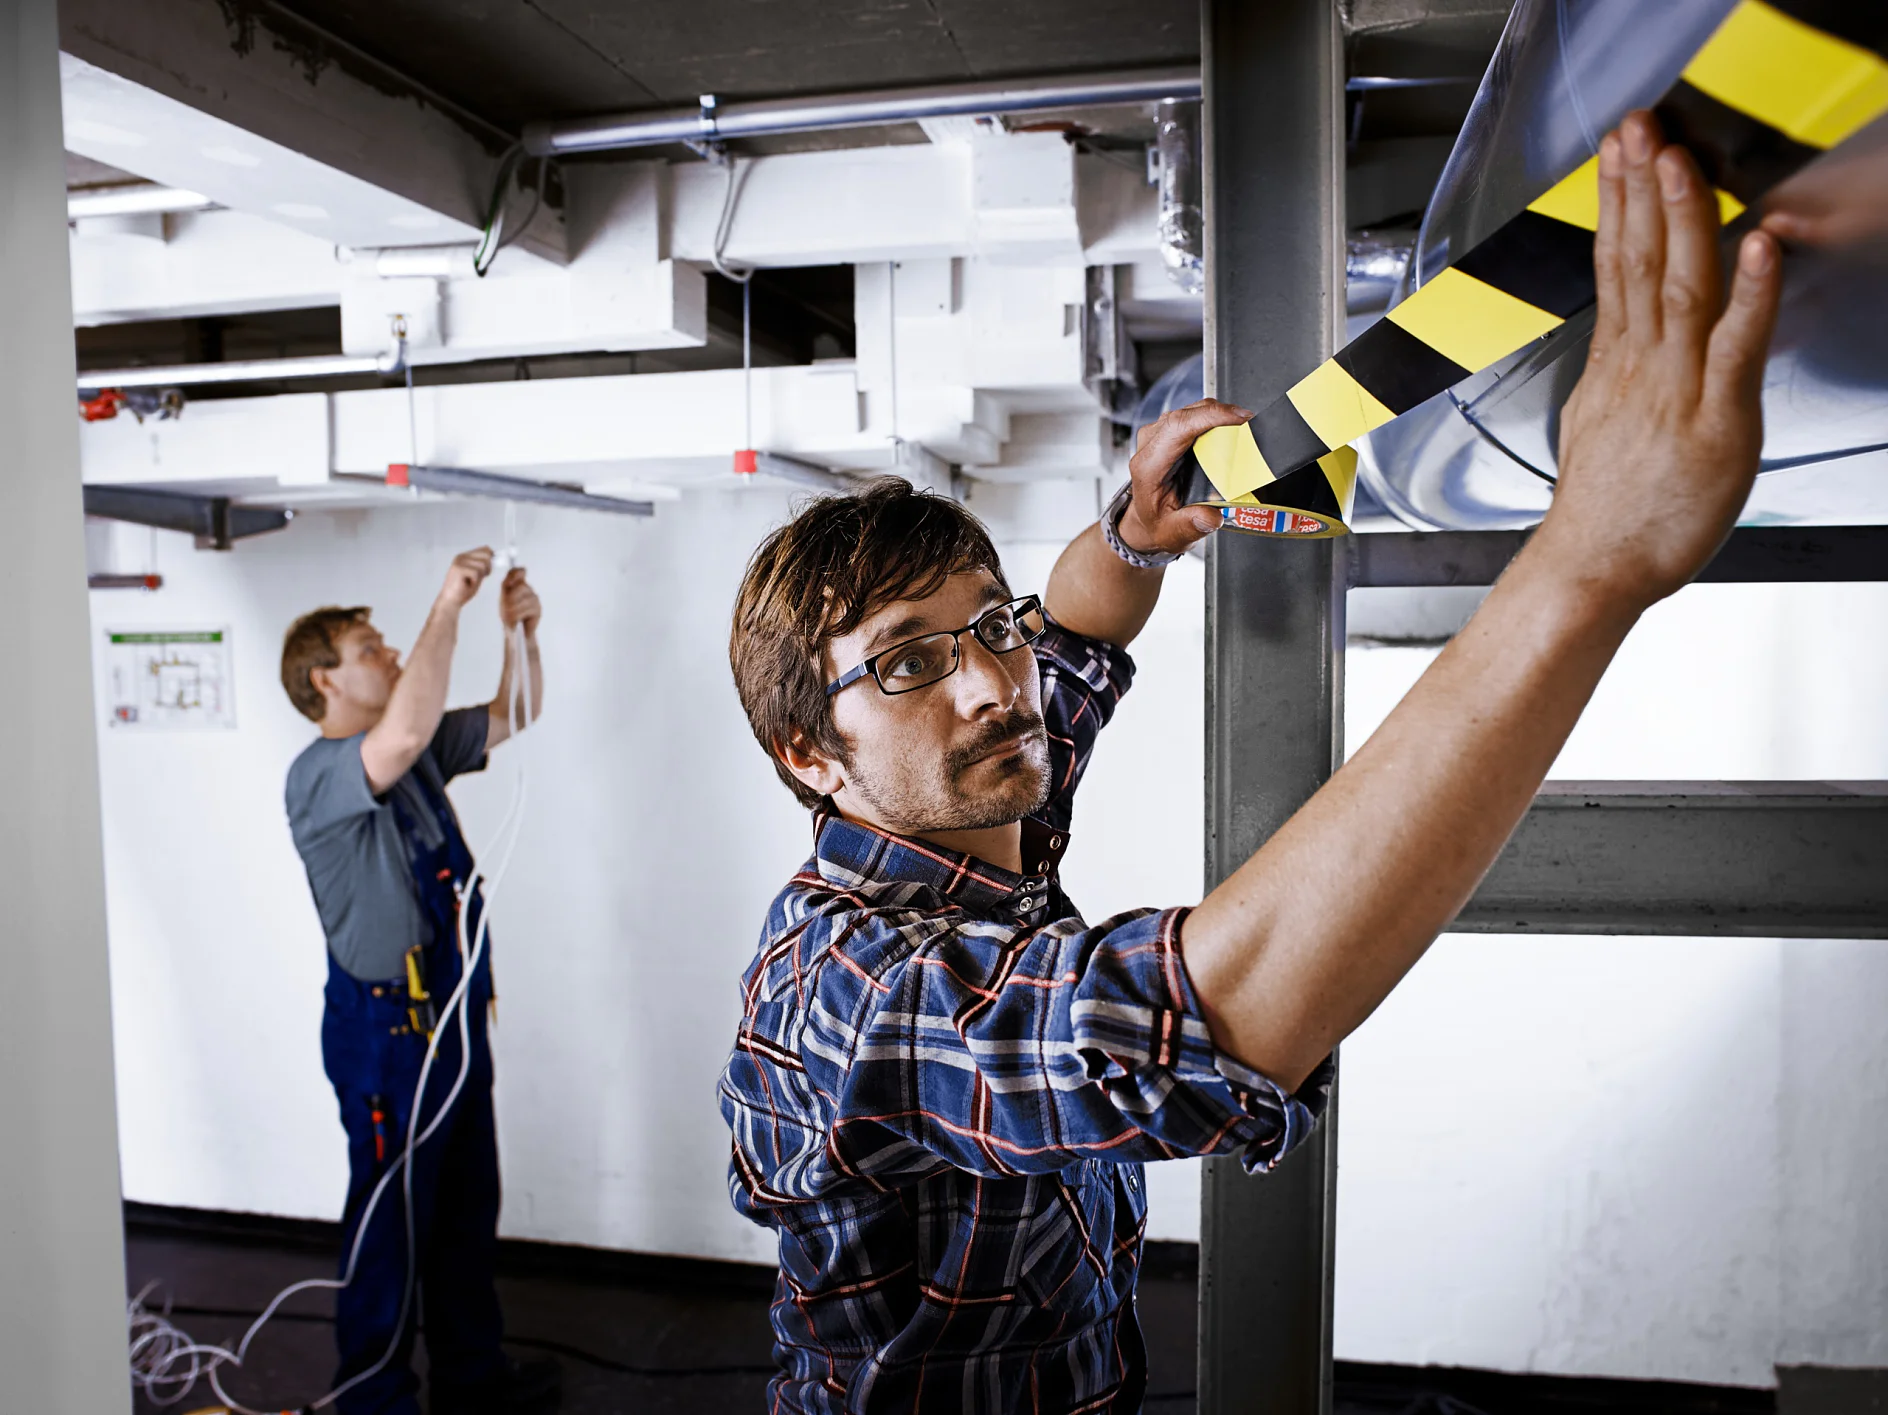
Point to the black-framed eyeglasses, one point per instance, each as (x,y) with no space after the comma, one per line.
(920,662)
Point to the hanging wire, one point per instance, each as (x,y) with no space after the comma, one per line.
(493,238)
(412,405)
(891,321)
(747,361)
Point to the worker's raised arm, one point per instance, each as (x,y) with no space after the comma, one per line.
(1094,590)
(1658,447)
(518,608)
(418,700)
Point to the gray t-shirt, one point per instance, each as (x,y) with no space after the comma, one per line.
(350,842)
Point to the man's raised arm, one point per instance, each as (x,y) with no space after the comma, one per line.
(418,700)
(1096,592)
(1658,447)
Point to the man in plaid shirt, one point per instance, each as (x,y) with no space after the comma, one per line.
(945,1081)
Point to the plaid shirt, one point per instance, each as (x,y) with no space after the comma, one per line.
(941,1094)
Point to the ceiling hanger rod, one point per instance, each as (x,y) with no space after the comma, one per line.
(712,121)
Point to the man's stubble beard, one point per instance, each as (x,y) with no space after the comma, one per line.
(945,806)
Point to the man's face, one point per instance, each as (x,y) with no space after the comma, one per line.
(968,752)
(364,678)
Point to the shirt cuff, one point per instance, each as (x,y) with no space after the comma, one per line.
(1143,1035)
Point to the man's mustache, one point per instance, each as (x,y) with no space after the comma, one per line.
(990,737)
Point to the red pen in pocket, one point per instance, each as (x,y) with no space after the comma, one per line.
(378,1109)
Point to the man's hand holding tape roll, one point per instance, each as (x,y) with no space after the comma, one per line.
(1659,447)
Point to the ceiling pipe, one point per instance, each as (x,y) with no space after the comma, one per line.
(135,199)
(238,371)
(711,121)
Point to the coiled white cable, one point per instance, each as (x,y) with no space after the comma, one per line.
(163,1357)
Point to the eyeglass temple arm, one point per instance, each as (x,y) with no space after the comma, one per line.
(850,677)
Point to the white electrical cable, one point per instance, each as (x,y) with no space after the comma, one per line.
(162,1355)
(730,198)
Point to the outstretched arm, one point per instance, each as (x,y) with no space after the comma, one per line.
(418,699)
(517,606)
(1095,592)
(1658,448)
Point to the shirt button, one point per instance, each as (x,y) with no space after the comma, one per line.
(1026,904)
(1055,842)
(1043,868)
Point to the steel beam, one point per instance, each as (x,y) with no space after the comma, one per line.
(215,521)
(1273,165)
(1753,554)
(1763,859)
(463,481)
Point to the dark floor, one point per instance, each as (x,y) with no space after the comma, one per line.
(643,1336)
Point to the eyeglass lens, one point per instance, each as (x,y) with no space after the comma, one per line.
(922,661)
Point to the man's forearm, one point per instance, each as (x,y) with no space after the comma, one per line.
(1094,592)
(1301,944)
(417,702)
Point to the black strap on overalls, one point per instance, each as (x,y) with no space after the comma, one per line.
(440,874)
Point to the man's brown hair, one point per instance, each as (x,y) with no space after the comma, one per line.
(314,641)
(820,576)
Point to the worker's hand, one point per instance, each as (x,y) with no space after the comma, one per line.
(518,602)
(468,572)
(1839,201)
(1156,520)
(1659,442)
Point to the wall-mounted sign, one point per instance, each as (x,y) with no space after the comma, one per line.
(169,678)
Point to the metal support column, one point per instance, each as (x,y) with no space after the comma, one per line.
(1273,160)
(62,1273)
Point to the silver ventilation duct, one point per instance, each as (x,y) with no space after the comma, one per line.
(1484,455)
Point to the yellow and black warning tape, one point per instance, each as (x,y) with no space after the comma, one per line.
(1777,84)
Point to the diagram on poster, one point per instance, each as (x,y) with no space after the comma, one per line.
(169,678)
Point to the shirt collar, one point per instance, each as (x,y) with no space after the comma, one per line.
(849,853)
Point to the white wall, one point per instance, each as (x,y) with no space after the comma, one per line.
(1635,1157)
(656,836)
(1640,1156)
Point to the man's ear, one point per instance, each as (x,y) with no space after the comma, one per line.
(322,681)
(811,767)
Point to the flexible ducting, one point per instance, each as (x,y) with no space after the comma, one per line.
(1483,455)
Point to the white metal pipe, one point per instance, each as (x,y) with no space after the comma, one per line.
(138,199)
(237,371)
(711,121)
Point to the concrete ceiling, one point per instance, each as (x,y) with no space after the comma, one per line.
(511,61)
(515,60)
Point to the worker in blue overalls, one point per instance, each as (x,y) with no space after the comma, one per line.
(390,872)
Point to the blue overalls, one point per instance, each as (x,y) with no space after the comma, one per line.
(373,1056)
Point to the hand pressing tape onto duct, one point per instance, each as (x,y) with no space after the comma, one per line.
(1774,87)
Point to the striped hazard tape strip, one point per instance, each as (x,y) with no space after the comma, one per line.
(1775,86)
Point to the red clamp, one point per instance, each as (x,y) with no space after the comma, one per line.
(103,405)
